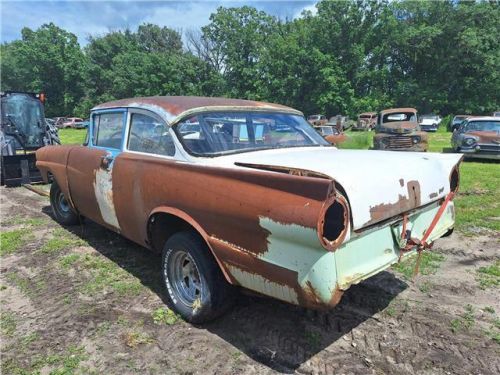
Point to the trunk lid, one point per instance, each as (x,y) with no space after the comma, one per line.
(379,184)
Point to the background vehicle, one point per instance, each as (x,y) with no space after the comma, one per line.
(496,114)
(478,137)
(398,129)
(72,122)
(317,120)
(341,122)
(331,134)
(366,121)
(84,124)
(429,123)
(457,120)
(23,130)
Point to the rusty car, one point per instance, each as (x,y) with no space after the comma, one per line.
(317,120)
(366,121)
(231,203)
(478,137)
(457,120)
(331,134)
(398,129)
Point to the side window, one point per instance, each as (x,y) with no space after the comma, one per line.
(150,136)
(108,130)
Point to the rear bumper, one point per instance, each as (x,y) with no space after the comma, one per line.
(378,248)
(296,269)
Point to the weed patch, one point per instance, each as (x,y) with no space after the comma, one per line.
(165,316)
(13,240)
(104,274)
(489,276)
(429,264)
(7,323)
(61,239)
(465,321)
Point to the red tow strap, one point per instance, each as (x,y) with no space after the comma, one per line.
(422,244)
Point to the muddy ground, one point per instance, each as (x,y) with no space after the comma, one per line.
(88,301)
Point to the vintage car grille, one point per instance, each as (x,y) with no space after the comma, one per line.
(490,147)
(399,142)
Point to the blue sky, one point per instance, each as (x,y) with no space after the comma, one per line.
(92,17)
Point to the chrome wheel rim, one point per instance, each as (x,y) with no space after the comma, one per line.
(184,277)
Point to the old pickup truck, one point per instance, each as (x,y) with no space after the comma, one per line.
(231,202)
(398,129)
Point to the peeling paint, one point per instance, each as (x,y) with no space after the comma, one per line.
(103,187)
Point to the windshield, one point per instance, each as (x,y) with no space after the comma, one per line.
(399,116)
(220,133)
(24,113)
(487,126)
(459,119)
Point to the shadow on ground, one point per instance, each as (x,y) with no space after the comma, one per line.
(276,334)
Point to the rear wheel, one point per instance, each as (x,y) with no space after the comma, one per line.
(196,288)
(61,208)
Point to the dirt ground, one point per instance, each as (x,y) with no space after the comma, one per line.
(88,301)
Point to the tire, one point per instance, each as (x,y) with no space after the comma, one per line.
(195,286)
(61,209)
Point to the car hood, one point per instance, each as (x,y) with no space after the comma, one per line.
(379,184)
(428,121)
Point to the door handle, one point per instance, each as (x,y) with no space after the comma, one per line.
(106,161)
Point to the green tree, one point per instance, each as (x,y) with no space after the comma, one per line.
(46,60)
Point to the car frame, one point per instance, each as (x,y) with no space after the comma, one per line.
(298,221)
(401,133)
(479,144)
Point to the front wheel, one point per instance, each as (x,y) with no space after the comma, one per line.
(61,208)
(196,288)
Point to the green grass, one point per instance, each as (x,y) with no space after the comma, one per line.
(27,221)
(166,316)
(465,321)
(357,140)
(105,274)
(12,241)
(478,199)
(7,323)
(61,239)
(72,136)
(69,260)
(429,264)
(489,276)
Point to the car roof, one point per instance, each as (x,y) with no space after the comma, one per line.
(175,106)
(483,118)
(397,110)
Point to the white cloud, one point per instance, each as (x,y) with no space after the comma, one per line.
(310,8)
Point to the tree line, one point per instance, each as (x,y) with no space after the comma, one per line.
(349,57)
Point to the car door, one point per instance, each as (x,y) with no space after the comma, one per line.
(90,168)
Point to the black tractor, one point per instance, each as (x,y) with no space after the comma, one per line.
(23,130)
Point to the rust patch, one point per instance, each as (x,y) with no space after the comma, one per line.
(227,203)
(402,182)
(433,195)
(247,262)
(333,244)
(176,105)
(386,210)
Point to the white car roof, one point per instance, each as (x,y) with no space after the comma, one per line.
(484,118)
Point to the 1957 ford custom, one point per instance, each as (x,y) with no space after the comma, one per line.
(248,194)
